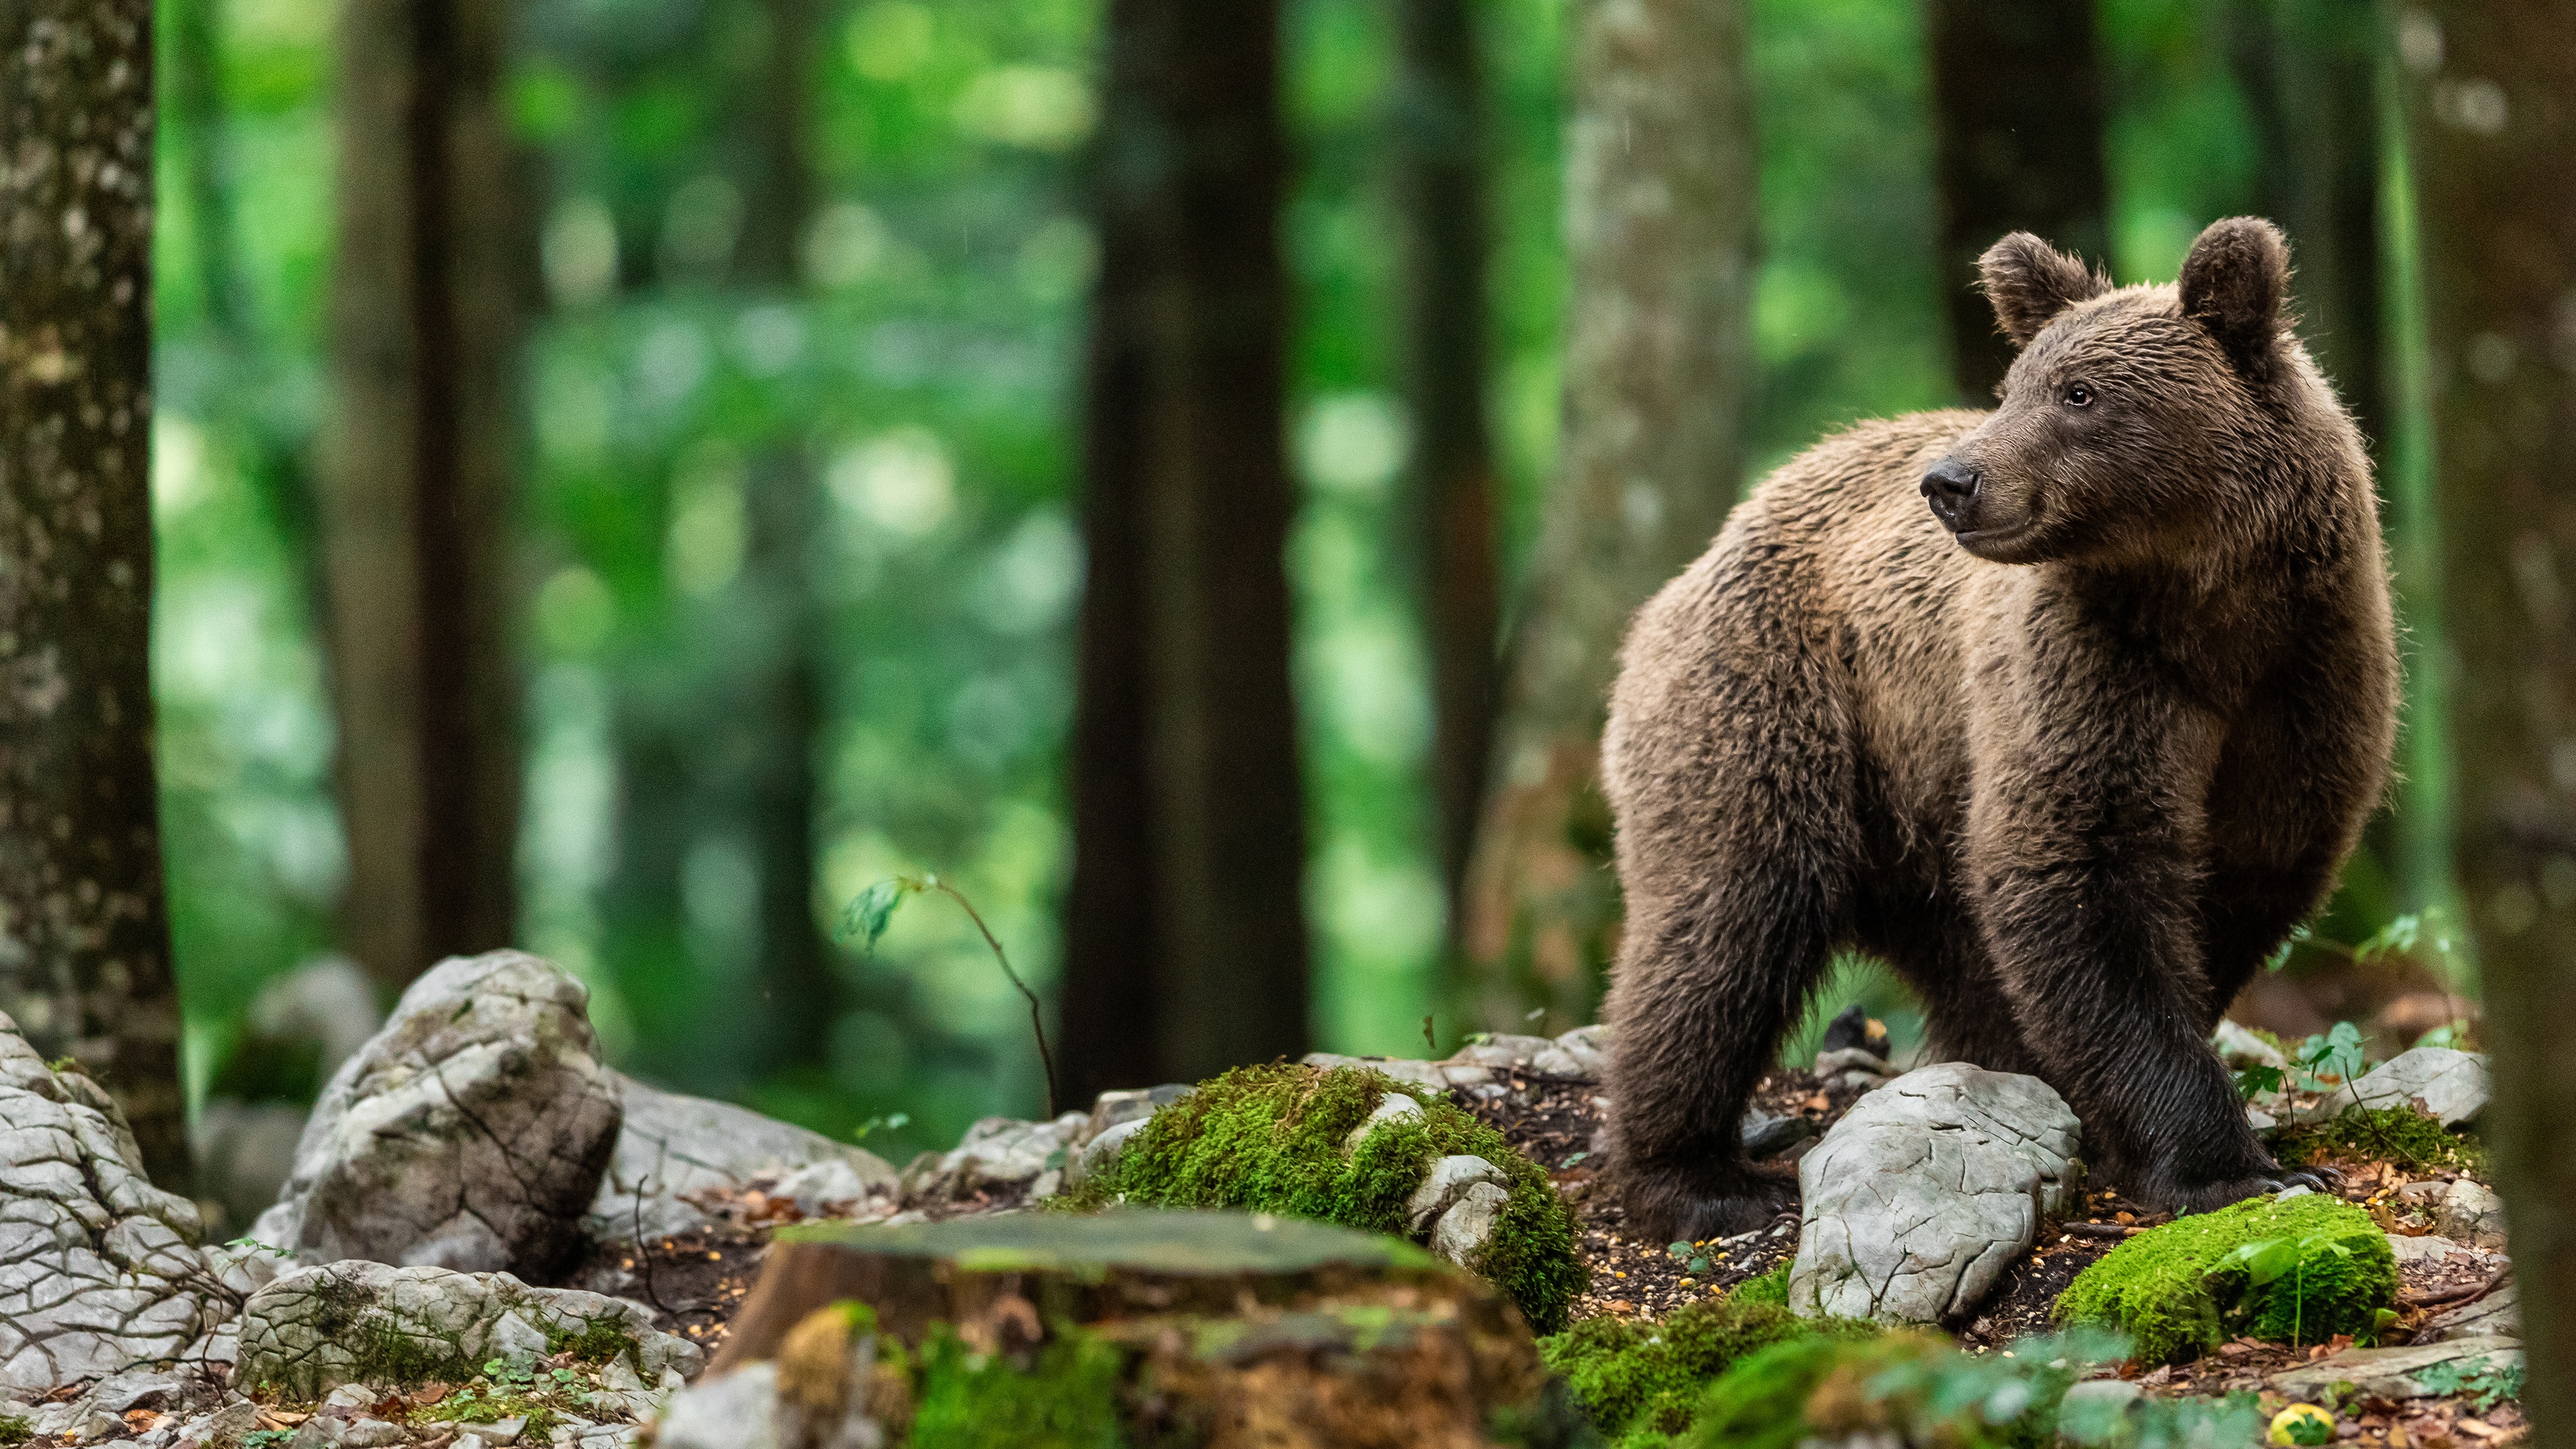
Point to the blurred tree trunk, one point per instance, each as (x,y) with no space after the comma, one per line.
(84,929)
(2493,124)
(1439,135)
(2309,71)
(2017,110)
(1185,934)
(417,502)
(276,466)
(778,711)
(1660,215)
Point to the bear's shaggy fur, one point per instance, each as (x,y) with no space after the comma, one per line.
(2073,747)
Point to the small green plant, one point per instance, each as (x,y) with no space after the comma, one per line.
(266,1438)
(2480,1380)
(894,1122)
(870,914)
(2330,1058)
(16,1429)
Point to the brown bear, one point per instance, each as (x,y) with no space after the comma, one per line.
(2069,711)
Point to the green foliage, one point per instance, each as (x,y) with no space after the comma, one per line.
(2480,1379)
(1066,1399)
(2401,1135)
(265,1438)
(1270,1139)
(2294,1271)
(1914,1384)
(2330,1058)
(16,1429)
(1641,1381)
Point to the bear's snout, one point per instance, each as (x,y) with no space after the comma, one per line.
(1952,488)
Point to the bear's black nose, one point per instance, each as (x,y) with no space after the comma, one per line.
(1951,488)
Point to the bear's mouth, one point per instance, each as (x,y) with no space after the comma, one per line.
(1995,543)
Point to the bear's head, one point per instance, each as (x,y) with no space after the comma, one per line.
(2137,423)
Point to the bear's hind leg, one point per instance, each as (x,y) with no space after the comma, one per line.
(1705,990)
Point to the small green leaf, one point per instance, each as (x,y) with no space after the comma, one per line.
(869,915)
(1678,1250)
(1697,1265)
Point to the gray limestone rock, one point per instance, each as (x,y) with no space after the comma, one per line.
(471,1133)
(2451,1085)
(1392,1106)
(998,1154)
(103,1270)
(2471,1214)
(2498,1315)
(359,1322)
(2389,1373)
(1583,1052)
(737,1411)
(2241,1048)
(1926,1189)
(1118,1107)
(673,1148)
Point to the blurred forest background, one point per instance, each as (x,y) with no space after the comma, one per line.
(779,551)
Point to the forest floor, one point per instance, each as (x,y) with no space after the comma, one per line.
(696,1281)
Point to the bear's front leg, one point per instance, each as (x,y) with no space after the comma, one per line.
(2085,862)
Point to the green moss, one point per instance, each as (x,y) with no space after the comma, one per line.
(1269,1139)
(1764,1401)
(16,1429)
(599,1341)
(2185,1288)
(1066,1399)
(1771,1287)
(2401,1135)
(1641,1382)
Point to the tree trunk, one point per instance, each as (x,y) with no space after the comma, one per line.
(1185,934)
(780,705)
(2017,108)
(84,930)
(1660,215)
(418,507)
(2309,73)
(1438,134)
(2493,127)
(276,466)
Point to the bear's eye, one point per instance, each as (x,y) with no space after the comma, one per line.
(2079,396)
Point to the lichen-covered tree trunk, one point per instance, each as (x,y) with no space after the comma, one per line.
(1660,214)
(84,932)
(2017,109)
(1439,132)
(416,492)
(1185,934)
(2493,123)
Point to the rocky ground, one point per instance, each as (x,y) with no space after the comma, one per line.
(477,1139)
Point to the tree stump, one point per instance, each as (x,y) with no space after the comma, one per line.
(1216,1329)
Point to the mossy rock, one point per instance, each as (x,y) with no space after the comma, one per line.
(1643,1382)
(1144,1327)
(2184,1288)
(1274,1139)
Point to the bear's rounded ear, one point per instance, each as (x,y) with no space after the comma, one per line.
(2233,283)
(2030,282)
